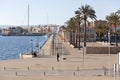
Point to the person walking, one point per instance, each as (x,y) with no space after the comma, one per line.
(58,57)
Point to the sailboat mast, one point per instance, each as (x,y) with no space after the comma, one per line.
(47,19)
(28,15)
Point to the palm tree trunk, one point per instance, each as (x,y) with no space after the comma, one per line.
(70,37)
(79,35)
(116,36)
(76,40)
(85,34)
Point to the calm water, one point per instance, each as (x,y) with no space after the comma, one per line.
(12,46)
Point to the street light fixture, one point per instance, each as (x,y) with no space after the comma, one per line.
(31,41)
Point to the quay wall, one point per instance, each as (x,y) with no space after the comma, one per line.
(102,50)
(46,48)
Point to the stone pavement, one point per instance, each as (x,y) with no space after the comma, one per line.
(71,66)
(74,58)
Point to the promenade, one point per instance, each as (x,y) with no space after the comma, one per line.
(72,65)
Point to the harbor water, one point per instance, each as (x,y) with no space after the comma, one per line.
(12,46)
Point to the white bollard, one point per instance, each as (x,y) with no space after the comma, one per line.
(115,69)
(119,58)
(84,50)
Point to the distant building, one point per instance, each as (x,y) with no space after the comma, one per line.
(12,31)
(5,31)
(41,29)
(62,33)
(31,31)
(90,34)
(96,23)
(0,31)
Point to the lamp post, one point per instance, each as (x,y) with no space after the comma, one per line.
(31,41)
(37,45)
(109,58)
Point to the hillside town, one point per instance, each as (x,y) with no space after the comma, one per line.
(93,31)
(37,30)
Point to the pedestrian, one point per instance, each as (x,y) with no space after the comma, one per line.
(34,54)
(58,57)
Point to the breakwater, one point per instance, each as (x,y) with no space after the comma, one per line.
(46,49)
(53,45)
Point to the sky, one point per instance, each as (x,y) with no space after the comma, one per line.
(15,12)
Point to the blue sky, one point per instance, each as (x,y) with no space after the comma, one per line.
(14,12)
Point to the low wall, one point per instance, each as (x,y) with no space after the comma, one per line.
(24,56)
(102,50)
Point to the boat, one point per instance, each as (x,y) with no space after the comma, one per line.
(31,53)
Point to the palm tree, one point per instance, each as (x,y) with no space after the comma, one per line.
(101,30)
(71,27)
(118,12)
(76,32)
(79,21)
(114,19)
(87,12)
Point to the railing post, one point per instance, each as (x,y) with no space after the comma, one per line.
(44,73)
(74,73)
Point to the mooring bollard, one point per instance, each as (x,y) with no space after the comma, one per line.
(105,71)
(78,69)
(44,73)
(74,73)
(4,68)
(28,68)
(52,68)
(16,73)
(115,69)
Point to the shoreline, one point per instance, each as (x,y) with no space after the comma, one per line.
(12,46)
